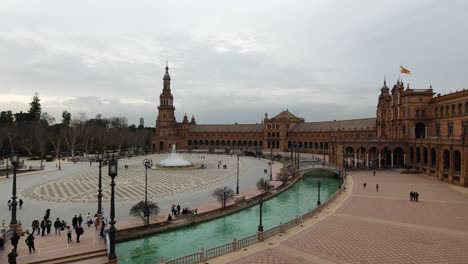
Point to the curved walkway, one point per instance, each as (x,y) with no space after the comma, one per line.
(366,226)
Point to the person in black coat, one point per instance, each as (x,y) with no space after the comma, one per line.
(30,242)
(12,257)
(79,231)
(75,221)
(14,240)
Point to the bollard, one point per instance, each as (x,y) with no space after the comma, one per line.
(260,236)
(281,227)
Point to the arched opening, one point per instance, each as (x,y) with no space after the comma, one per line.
(418,155)
(398,158)
(373,157)
(446,161)
(456,162)
(361,155)
(349,157)
(316,145)
(386,157)
(425,156)
(433,158)
(420,130)
(411,155)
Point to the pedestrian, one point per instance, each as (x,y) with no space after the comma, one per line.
(12,256)
(43,226)
(57,226)
(21,203)
(80,220)
(14,240)
(30,242)
(416,196)
(79,231)
(9,205)
(48,226)
(377,187)
(178,209)
(374,173)
(74,221)
(365,184)
(411,194)
(103,226)
(69,234)
(96,221)
(36,225)
(89,220)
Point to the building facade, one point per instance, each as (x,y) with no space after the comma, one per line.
(413,128)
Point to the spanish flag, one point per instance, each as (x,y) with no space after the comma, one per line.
(403,70)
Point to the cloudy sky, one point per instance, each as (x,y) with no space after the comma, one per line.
(230,61)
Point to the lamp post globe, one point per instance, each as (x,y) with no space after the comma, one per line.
(14,162)
(113,168)
(147,164)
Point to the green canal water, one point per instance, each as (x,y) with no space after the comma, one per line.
(296,201)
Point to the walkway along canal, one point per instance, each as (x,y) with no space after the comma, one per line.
(295,201)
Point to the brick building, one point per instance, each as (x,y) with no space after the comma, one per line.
(413,128)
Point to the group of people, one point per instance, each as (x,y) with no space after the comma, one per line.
(175,210)
(20,203)
(414,196)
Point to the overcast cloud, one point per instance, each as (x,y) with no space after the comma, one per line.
(230,61)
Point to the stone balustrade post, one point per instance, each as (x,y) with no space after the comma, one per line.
(234,245)
(281,227)
(260,236)
(202,255)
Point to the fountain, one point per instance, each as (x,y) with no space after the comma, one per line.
(175,161)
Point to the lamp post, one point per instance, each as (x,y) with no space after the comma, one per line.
(99,208)
(318,193)
(147,164)
(14,162)
(60,157)
(237,186)
(260,226)
(112,174)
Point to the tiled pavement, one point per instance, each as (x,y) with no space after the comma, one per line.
(375,227)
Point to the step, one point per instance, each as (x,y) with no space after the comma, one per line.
(72,258)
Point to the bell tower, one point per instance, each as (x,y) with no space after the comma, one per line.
(166,123)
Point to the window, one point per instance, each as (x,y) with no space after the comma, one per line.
(447,109)
(417,113)
(436,111)
(466,107)
(459,108)
(441,111)
(437,129)
(450,129)
(422,112)
(453,109)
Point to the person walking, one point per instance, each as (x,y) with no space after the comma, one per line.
(416,196)
(364,184)
(103,227)
(374,173)
(411,194)
(43,226)
(48,226)
(377,187)
(35,226)
(96,221)
(12,256)
(9,205)
(178,209)
(57,226)
(89,220)
(79,231)
(30,242)
(20,203)
(80,220)
(74,221)
(69,234)
(14,240)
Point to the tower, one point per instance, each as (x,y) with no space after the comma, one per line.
(166,123)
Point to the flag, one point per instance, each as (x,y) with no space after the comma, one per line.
(403,70)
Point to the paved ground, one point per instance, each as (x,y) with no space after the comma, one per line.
(366,226)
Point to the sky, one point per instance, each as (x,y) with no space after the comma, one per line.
(230,61)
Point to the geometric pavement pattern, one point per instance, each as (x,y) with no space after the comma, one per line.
(268,256)
(130,183)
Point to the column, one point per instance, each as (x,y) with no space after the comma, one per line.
(404,160)
(392,160)
(425,132)
(414,131)
(380,162)
(355,160)
(367,160)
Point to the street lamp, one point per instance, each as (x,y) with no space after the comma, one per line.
(147,164)
(271,173)
(60,157)
(99,210)
(14,162)
(237,186)
(112,230)
(318,194)
(260,226)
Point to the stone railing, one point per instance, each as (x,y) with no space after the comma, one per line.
(235,245)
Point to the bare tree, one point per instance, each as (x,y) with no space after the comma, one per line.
(138,210)
(263,185)
(223,195)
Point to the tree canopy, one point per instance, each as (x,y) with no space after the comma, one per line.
(223,195)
